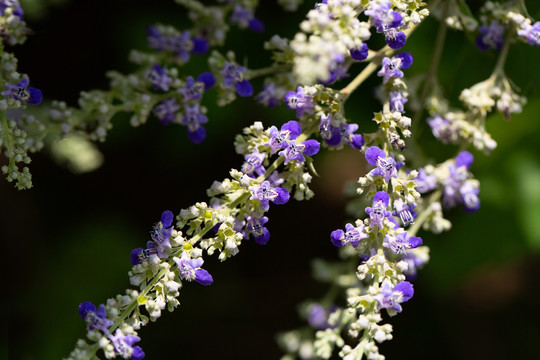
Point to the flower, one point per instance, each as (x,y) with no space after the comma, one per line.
(156,76)
(14,4)
(377,213)
(457,187)
(195,89)
(491,37)
(397,101)
(299,101)
(400,243)
(193,120)
(255,226)
(254,162)
(166,111)
(139,255)
(391,298)
(22,92)
(404,211)
(385,166)
(352,236)
(96,319)
(391,67)
(268,96)
(161,233)
(361,53)
(530,32)
(387,21)
(296,151)
(190,269)
(234,75)
(244,18)
(425,182)
(279,139)
(123,345)
(266,192)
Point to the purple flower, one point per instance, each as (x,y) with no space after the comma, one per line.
(300,102)
(331,134)
(14,4)
(139,255)
(268,96)
(96,319)
(397,101)
(530,32)
(441,128)
(398,244)
(183,46)
(352,235)
(190,269)
(385,166)
(383,17)
(255,226)
(157,77)
(279,139)
(296,151)
(266,192)
(404,211)
(193,90)
(457,187)
(360,54)
(425,182)
(234,75)
(254,162)
(414,262)
(161,233)
(491,37)
(356,141)
(166,111)
(123,345)
(22,92)
(244,18)
(377,213)
(391,298)
(193,120)
(317,316)
(395,39)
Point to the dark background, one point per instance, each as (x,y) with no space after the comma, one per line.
(68,238)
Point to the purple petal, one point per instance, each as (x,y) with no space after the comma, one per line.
(263,239)
(406,59)
(312,147)
(334,140)
(406,289)
(357,141)
(382,196)
(134,256)
(208,79)
(244,88)
(335,237)
(464,158)
(283,196)
(360,54)
(294,127)
(86,307)
(414,242)
(256,25)
(200,46)
(137,353)
(167,218)
(397,42)
(203,277)
(372,154)
(197,136)
(35,96)
(24,82)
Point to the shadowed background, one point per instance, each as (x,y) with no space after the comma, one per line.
(70,236)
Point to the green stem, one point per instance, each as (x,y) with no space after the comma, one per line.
(250,74)
(498,71)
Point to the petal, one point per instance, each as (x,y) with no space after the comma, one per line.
(414,241)
(86,307)
(406,288)
(256,25)
(373,153)
(312,147)
(263,239)
(137,353)
(203,277)
(294,127)
(208,79)
(244,88)
(464,158)
(35,96)
(197,136)
(283,196)
(335,237)
(200,46)
(357,142)
(134,256)
(397,42)
(381,196)
(406,59)
(360,54)
(167,218)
